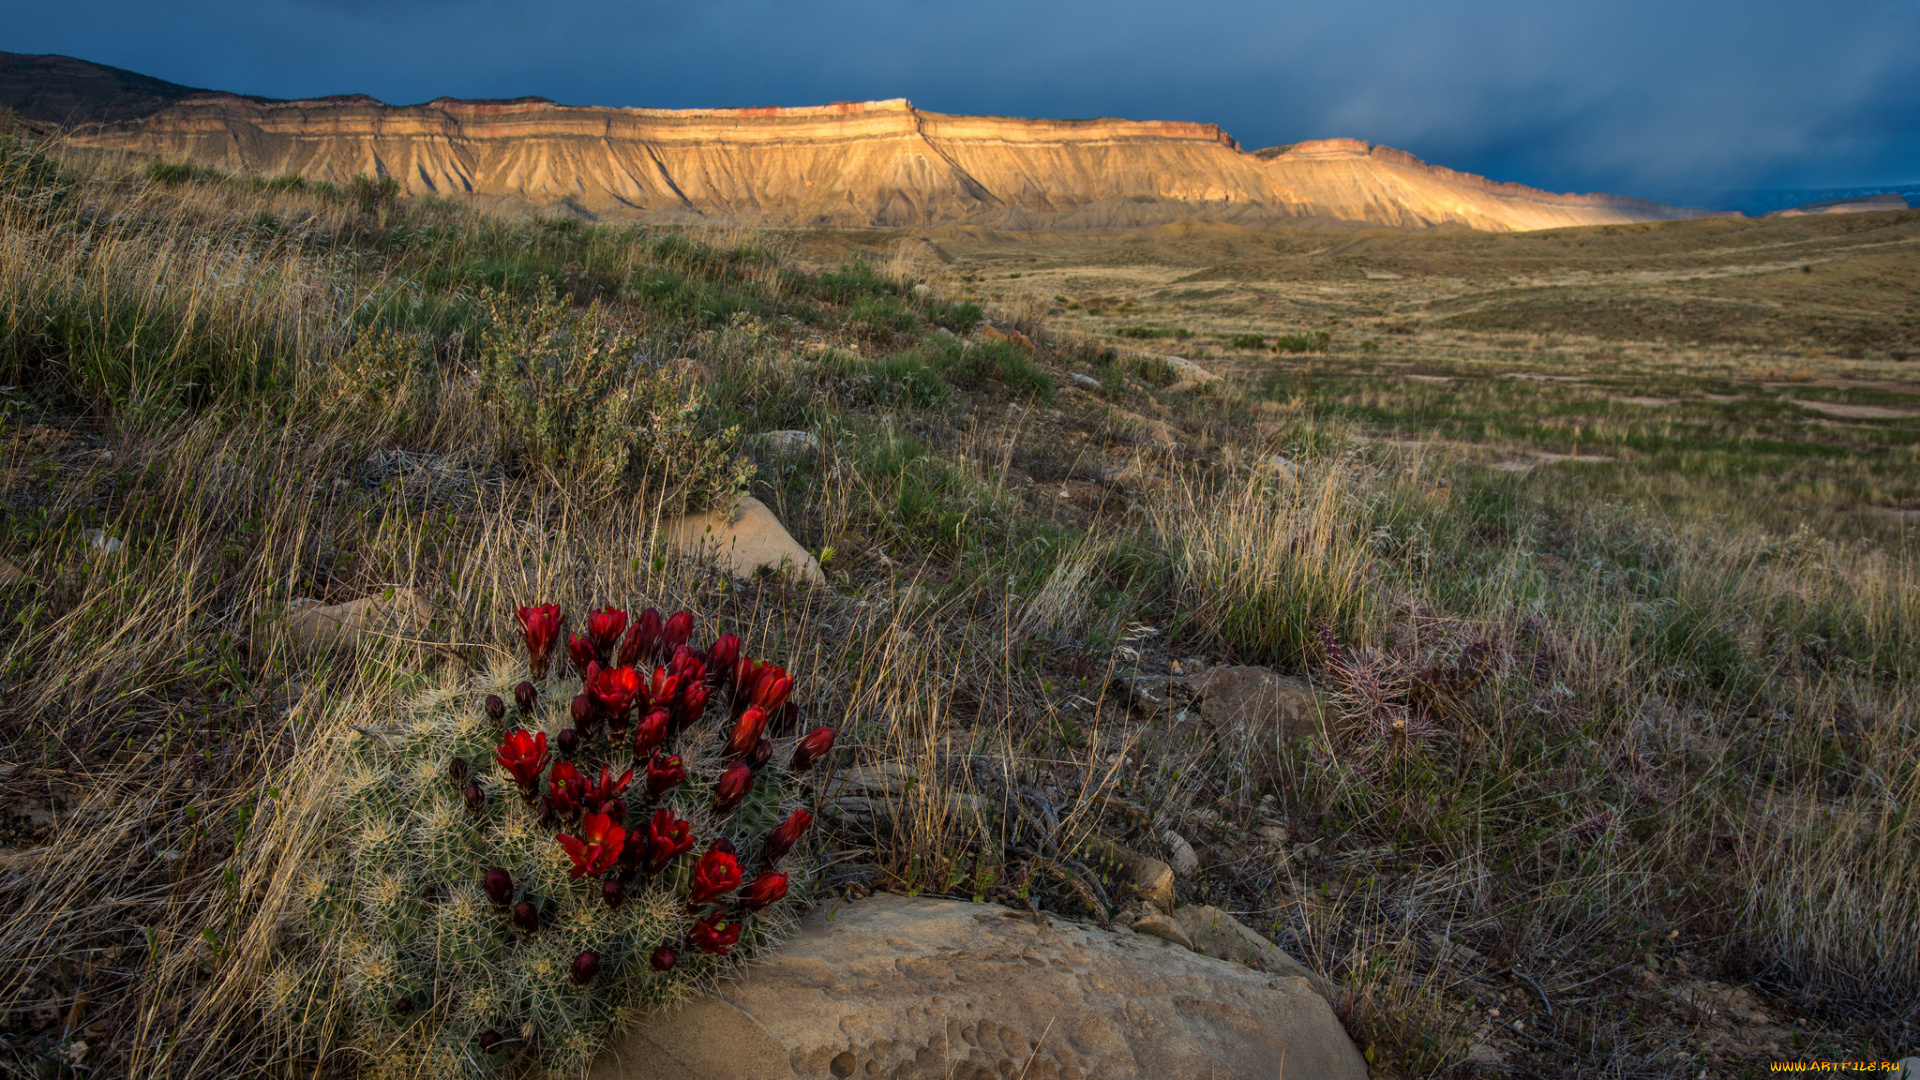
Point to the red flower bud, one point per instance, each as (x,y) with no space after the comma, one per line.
(812,748)
(476,798)
(457,768)
(691,703)
(770,690)
(766,889)
(746,732)
(585,967)
(649,733)
(616,809)
(499,886)
(724,846)
(678,628)
(526,916)
(662,959)
(785,835)
(403,1006)
(732,787)
(566,788)
(668,837)
(604,627)
(721,656)
(642,640)
(490,1041)
(568,741)
(545,812)
(716,874)
(523,754)
(762,753)
(580,652)
(613,892)
(714,934)
(583,711)
(525,696)
(783,720)
(541,628)
(664,773)
(597,849)
(430,894)
(496,709)
(606,788)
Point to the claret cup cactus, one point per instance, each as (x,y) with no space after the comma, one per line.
(503,888)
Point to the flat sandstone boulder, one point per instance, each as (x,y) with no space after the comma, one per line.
(1258,701)
(908,988)
(754,539)
(399,612)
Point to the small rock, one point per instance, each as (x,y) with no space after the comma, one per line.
(1162,926)
(1216,933)
(945,334)
(1272,834)
(989,333)
(1023,341)
(1184,369)
(1279,466)
(1257,701)
(751,540)
(397,611)
(1087,381)
(101,542)
(9,573)
(1185,861)
(1148,878)
(792,443)
(923,290)
(1482,1056)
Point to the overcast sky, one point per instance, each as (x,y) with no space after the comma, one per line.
(1642,97)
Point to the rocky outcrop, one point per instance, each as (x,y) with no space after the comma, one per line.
(881,163)
(896,987)
(744,540)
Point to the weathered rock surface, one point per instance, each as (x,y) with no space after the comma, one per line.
(401,611)
(748,541)
(1188,376)
(1258,701)
(1216,933)
(848,164)
(895,987)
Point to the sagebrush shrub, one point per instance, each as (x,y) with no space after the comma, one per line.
(508,871)
(577,395)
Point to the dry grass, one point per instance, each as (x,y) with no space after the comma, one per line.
(1579,753)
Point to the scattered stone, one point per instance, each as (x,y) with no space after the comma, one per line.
(394,612)
(1276,835)
(989,333)
(923,290)
(1482,1056)
(1279,466)
(1186,371)
(101,542)
(9,574)
(750,540)
(1258,701)
(791,443)
(892,986)
(1714,1001)
(1147,878)
(1022,340)
(1185,861)
(1087,381)
(1216,933)
(1163,927)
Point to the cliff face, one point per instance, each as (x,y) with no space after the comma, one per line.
(852,164)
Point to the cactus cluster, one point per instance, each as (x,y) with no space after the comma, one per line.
(501,884)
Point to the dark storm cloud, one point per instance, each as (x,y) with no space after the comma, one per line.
(1637,96)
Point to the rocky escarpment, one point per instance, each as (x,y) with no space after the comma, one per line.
(881,163)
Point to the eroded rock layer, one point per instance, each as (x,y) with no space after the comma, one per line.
(852,164)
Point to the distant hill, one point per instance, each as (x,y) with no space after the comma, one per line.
(851,164)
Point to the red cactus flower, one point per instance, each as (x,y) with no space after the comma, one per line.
(615,689)
(747,731)
(523,754)
(678,628)
(649,733)
(664,773)
(812,748)
(604,628)
(662,687)
(580,651)
(668,837)
(585,967)
(541,627)
(785,835)
(771,685)
(641,640)
(566,788)
(715,934)
(721,656)
(597,849)
(616,809)
(691,703)
(606,789)
(663,959)
(716,874)
(732,787)
(499,885)
(766,889)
